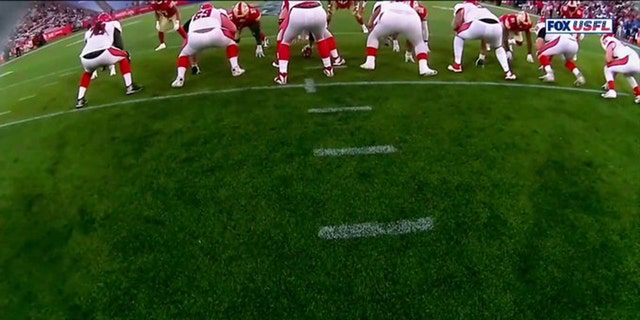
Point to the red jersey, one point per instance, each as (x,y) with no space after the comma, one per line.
(166,8)
(245,19)
(577,14)
(510,22)
(344,4)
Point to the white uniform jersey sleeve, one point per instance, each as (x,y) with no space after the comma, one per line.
(99,41)
(116,25)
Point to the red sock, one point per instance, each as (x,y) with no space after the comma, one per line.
(182,33)
(612,85)
(85,80)
(371,51)
(278,44)
(323,49)
(331,43)
(422,56)
(636,90)
(161,37)
(570,65)
(125,66)
(232,51)
(183,61)
(284,52)
(545,60)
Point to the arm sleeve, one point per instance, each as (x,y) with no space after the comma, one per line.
(117,39)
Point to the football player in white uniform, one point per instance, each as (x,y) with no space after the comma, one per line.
(391,17)
(549,45)
(301,16)
(104,47)
(471,21)
(620,60)
(209,27)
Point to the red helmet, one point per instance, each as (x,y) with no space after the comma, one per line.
(206,6)
(103,17)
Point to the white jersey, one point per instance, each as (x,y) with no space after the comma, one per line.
(396,6)
(619,49)
(288,4)
(96,40)
(473,12)
(206,19)
(541,32)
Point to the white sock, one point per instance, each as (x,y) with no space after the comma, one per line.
(283,66)
(234,62)
(326,62)
(501,54)
(371,60)
(127,79)
(81,92)
(181,72)
(577,72)
(458,47)
(423,66)
(481,56)
(548,69)
(335,54)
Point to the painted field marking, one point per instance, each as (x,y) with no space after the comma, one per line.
(50,84)
(6,74)
(310,85)
(67,74)
(374,229)
(443,8)
(332,84)
(354,151)
(27,97)
(322,67)
(336,110)
(131,23)
(40,77)
(5,112)
(74,43)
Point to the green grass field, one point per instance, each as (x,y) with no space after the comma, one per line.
(206,202)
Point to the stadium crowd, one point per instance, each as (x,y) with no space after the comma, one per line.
(45,15)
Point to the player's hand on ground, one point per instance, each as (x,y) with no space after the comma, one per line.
(408,57)
(158,25)
(530,58)
(396,46)
(176,25)
(259,51)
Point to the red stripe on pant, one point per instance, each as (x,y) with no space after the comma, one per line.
(118,53)
(618,62)
(549,45)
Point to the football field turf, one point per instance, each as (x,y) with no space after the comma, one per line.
(490,200)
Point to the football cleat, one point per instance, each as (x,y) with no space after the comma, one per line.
(178,83)
(455,68)
(580,81)
(162,46)
(281,79)
(429,73)
(339,61)
(328,71)
(236,72)
(195,70)
(610,94)
(133,88)
(81,103)
(509,76)
(547,78)
(367,66)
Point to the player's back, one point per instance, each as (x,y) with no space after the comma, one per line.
(290,4)
(100,36)
(620,50)
(474,12)
(206,19)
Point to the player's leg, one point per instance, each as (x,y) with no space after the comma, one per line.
(116,55)
(317,20)
(610,75)
(89,66)
(467,31)
(570,49)
(220,39)
(160,26)
(292,26)
(337,60)
(545,54)
(358,14)
(278,42)
(413,31)
(178,28)
(493,35)
(379,31)
(190,49)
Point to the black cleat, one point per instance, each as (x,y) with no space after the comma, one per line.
(133,88)
(195,70)
(81,103)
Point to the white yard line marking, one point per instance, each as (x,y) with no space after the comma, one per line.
(6,74)
(322,67)
(336,110)
(40,77)
(333,84)
(74,43)
(310,85)
(50,84)
(5,112)
(443,8)
(354,151)
(27,97)
(374,229)
(67,74)
(131,23)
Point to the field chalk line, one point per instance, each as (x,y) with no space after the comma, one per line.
(310,85)
(5,112)
(336,110)
(354,151)
(330,84)
(27,97)
(74,43)
(374,229)
(6,74)
(322,67)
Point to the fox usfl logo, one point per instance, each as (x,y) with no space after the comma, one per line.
(573,26)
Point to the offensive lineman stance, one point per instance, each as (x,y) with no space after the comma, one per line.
(206,30)
(620,60)
(104,47)
(549,45)
(396,17)
(471,21)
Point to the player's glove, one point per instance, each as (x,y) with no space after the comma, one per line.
(158,25)
(259,52)
(396,46)
(408,57)
(176,25)
(530,58)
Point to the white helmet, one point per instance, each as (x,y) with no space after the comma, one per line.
(241,9)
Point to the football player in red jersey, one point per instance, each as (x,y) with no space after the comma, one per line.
(513,26)
(167,18)
(423,12)
(573,10)
(244,15)
(356,7)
